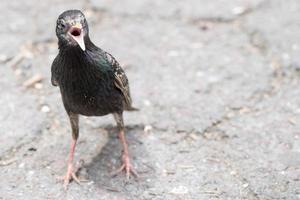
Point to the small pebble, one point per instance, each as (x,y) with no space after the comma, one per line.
(193,136)
(147,128)
(31,172)
(38,86)
(233,172)
(21,165)
(32,149)
(20,194)
(147,102)
(45,109)
(179,190)
(238,10)
(3,58)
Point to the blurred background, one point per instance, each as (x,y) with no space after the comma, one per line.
(217,83)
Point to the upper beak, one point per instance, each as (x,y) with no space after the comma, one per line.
(76,32)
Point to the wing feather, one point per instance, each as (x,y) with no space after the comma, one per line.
(121,81)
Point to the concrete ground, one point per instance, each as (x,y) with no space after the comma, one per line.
(217,83)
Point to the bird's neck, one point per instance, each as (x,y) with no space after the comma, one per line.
(75,57)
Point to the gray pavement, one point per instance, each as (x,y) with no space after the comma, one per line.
(217,83)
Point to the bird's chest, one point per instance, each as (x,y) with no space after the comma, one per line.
(87,92)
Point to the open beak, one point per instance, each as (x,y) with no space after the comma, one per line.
(76,32)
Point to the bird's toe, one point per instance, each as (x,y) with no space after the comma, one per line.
(127,167)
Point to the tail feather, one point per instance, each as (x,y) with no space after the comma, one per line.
(131,108)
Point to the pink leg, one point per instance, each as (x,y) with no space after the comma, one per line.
(125,158)
(71,173)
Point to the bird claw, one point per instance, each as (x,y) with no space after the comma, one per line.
(71,175)
(127,167)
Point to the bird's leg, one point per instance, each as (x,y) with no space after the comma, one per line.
(125,157)
(71,173)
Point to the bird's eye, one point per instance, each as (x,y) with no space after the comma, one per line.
(61,24)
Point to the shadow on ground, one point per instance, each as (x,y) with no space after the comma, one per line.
(109,159)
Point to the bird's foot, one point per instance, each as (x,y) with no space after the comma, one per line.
(127,167)
(71,175)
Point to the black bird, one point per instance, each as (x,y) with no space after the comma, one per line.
(91,82)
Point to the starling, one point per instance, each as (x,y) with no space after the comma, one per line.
(91,83)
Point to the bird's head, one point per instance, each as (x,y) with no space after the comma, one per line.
(72,28)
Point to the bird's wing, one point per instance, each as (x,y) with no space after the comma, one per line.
(121,81)
(54,72)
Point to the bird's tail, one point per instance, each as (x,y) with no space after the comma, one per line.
(131,108)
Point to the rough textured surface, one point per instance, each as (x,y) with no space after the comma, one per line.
(217,83)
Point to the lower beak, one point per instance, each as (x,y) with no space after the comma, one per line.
(76,32)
